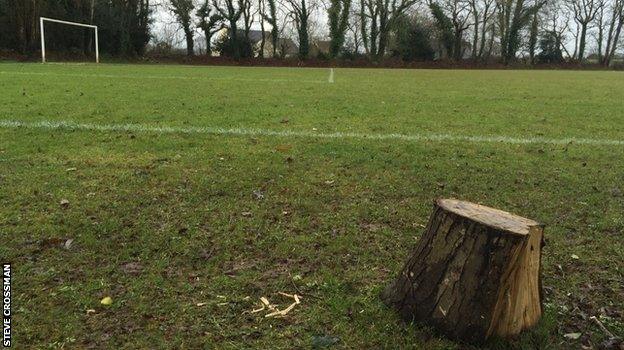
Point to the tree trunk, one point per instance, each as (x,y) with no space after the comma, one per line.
(475,33)
(615,40)
(483,33)
(581,50)
(533,38)
(304,41)
(263,38)
(475,273)
(605,58)
(576,37)
(457,44)
(190,45)
(208,35)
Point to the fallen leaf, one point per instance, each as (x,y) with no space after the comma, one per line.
(574,256)
(106,301)
(64,203)
(572,336)
(68,243)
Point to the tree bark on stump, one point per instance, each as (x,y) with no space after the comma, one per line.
(474,274)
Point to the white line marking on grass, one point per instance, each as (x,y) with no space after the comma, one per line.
(68,125)
(181,77)
(331,76)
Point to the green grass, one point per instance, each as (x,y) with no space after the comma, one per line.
(163,221)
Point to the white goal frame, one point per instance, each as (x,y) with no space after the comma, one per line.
(43,19)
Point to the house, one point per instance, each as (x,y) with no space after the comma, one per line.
(285,46)
(441,53)
(319,47)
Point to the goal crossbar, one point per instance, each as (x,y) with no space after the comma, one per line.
(43,19)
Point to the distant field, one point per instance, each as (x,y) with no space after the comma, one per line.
(215,186)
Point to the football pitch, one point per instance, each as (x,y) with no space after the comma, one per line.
(187,193)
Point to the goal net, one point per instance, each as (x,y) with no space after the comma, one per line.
(43,20)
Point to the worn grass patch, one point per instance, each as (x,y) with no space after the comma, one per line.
(162,222)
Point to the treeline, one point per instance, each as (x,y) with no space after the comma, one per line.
(532,31)
(124,25)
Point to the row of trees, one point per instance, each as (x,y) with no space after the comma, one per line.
(123,24)
(479,30)
(238,16)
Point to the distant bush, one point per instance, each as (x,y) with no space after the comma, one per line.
(413,40)
(550,46)
(352,55)
(321,56)
(160,48)
(240,48)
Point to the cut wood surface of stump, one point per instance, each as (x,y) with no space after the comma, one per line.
(475,273)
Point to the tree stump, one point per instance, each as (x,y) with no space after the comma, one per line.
(474,274)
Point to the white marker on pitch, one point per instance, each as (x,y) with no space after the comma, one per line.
(70,125)
(331,76)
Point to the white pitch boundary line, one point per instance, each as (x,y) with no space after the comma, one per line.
(126,76)
(68,125)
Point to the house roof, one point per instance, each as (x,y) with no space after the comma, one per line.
(256,35)
(321,45)
(288,45)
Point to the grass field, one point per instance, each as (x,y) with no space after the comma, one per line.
(194,191)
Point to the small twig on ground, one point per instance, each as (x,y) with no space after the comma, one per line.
(601,326)
(286,310)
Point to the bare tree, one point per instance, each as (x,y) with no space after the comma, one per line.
(513,16)
(262,13)
(271,18)
(231,11)
(585,12)
(614,31)
(533,33)
(182,10)
(556,21)
(377,18)
(355,34)
(452,18)
(248,16)
(600,28)
(459,11)
(475,10)
(488,12)
(209,23)
(300,13)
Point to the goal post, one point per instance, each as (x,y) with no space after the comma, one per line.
(44,19)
